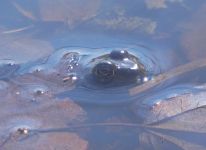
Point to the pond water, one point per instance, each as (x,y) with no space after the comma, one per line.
(50,100)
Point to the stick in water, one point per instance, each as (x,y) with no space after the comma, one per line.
(168,75)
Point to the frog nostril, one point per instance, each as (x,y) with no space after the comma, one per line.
(119,55)
(104,72)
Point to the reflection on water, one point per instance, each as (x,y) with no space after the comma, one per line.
(46,50)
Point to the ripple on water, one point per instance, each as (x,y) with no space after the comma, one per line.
(108,94)
(61,68)
(31,94)
(29,91)
(64,61)
(66,66)
(35,88)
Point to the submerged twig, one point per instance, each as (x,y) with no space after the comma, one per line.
(168,75)
(32,132)
(133,125)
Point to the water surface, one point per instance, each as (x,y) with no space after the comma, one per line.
(45,50)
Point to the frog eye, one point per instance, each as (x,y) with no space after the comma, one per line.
(119,55)
(104,72)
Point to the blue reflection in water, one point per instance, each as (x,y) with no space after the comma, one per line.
(46,48)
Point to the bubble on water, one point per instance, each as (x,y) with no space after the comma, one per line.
(61,69)
(68,66)
(29,92)
(37,69)
(14,129)
(71,58)
(22,126)
(49,84)
(64,58)
(33,92)
(50,141)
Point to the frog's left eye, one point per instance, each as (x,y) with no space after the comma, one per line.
(104,72)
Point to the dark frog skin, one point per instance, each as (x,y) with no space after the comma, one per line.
(118,67)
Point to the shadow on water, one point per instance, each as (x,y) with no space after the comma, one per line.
(48,49)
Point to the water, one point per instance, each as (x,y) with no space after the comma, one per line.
(46,50)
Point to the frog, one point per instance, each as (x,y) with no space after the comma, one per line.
(119,67)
